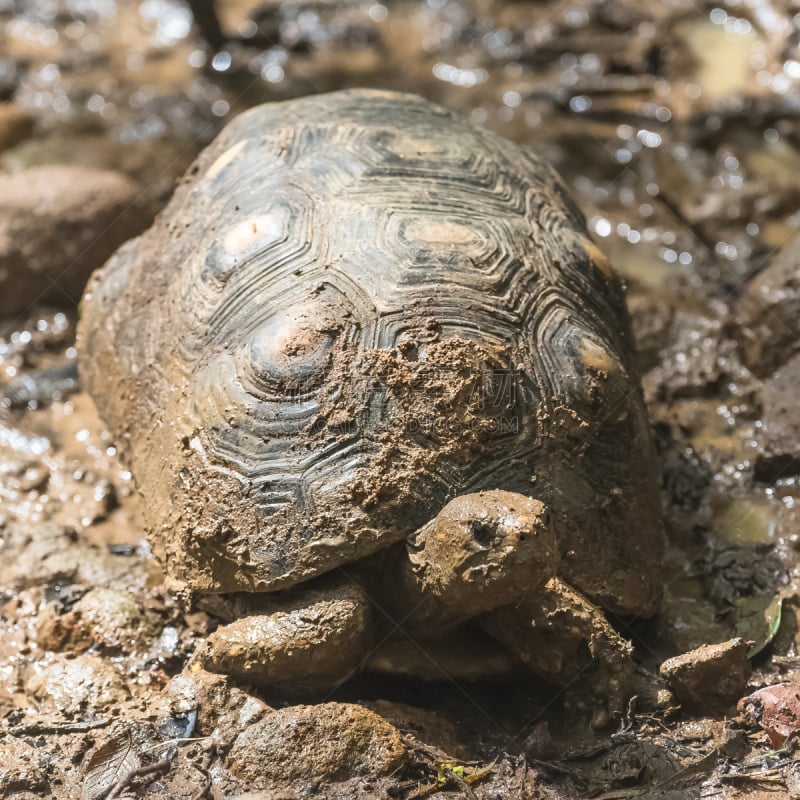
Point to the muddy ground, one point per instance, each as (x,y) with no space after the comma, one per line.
(676,124)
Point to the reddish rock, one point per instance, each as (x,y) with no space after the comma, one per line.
(776,709)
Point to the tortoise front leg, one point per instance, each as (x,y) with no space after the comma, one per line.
(301,641)
(566,640)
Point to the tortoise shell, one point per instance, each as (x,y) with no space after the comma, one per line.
(355,308)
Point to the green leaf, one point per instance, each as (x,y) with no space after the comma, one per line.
(758,620)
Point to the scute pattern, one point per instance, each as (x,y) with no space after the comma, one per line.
(309,345)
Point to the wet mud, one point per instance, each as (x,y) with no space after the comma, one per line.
(675,125)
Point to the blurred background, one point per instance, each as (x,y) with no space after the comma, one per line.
(674,121)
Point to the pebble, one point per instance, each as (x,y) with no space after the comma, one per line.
(107,618)
(21,767)
(57,225)
(781,421)
(776,709)
(769,312)
(222,709)
(710,679)
(86,684)
(328,742)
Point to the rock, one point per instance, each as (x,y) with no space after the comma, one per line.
(776,709)
(42,387)
(711,678)
(780,456)
(222,709)
(651,320)
(57,555)
(87,684)
(328,742)
(16,125)
(108,618)
(21,767)
(695,356)
(435,728)
(58,224)
(153,164)
(539,744)
(309,640)
(768,312)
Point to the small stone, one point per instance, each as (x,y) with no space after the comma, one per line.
(108,618)
(73,686)
(665,699)
(768,312)
(539,743)
(222,709)
(57,225)
(776,709)
(54,556)
(153,164)
(781,416)
(327,742)
(711,678)
(651,320)
(21,767)
(691,362)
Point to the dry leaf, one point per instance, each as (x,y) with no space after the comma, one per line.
(112,762)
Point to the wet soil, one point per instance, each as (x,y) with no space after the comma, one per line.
(676,125)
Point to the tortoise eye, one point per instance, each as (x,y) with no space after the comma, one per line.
(290,352)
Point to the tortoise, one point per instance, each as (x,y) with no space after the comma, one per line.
(370,370)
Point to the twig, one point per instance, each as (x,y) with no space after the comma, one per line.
(126,780)
(202,768)
(432,752)
(773,776)
(35,728)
